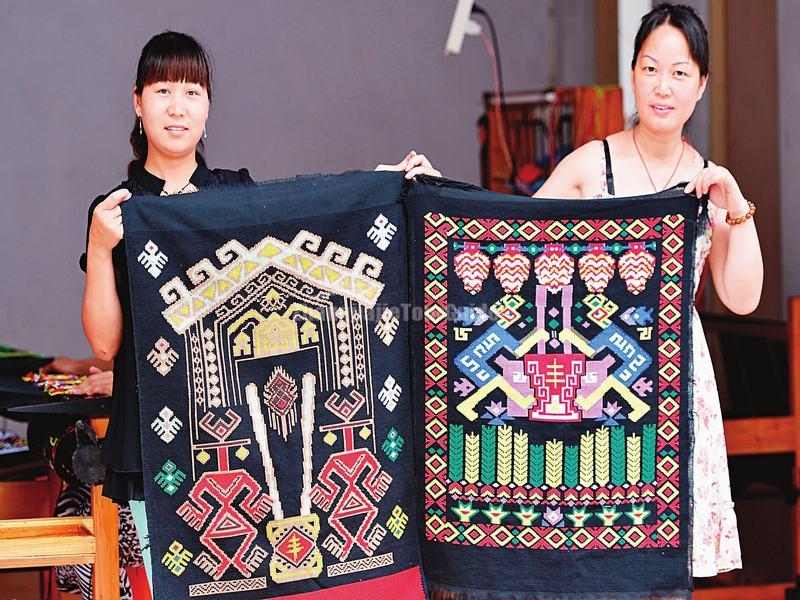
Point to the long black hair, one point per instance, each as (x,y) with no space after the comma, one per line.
(681,17)
(168,56)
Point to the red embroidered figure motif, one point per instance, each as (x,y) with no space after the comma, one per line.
(224,488)
(358,471)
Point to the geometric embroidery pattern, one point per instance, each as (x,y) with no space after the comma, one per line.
(390,393)
(220,427)
(170,477)
(277,343)
(166,425)
(352,480)
(230,586)
(176,558)
(152,259)
(280,393)
(230,500)
(386,328)
(397,522)
(296,553)
(393,444)
(382,232)
(294,540)
(345,347)
(211,369)
(361,564)
(162,357)
(244,264)
(498,476)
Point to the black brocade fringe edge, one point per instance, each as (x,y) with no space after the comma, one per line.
(451,593)
(443,182)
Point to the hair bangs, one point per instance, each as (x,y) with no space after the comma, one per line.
(176,57)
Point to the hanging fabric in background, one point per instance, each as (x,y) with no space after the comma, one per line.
(598,113)
(543,127)
(273,378)
(552,399)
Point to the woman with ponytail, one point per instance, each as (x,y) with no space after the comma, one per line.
(669,72)
(171,99)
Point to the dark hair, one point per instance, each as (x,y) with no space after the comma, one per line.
(168,56)
(681,17)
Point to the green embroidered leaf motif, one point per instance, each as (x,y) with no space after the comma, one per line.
(455,459)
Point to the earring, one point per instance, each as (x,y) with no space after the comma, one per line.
(205,133)
(141,131)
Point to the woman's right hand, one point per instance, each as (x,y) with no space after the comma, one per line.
(413,164)
(106,230)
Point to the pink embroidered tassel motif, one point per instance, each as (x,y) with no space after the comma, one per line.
(636,267)
(472,267)
(554,268)
(512,268)
(596,268)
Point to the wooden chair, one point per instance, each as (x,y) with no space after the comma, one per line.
(770,435)
(47,542)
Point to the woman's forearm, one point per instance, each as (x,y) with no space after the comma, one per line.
(743,270)
(736,262)
(102,313)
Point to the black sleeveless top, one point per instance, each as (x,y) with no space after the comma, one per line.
(122,446)
(610,173)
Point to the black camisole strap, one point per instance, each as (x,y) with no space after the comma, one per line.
(609,172)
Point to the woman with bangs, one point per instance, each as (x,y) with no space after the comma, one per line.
(171,99)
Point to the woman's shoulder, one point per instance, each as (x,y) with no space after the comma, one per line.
(588,154)
(575,173)
(583,162)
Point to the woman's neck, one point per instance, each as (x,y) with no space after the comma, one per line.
(657,146)
(175,172)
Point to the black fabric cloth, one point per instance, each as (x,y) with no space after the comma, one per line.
(122,449)
(552,394)
(273,379)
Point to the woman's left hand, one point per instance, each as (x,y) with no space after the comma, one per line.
(413,164)
(98,383)
(722,189)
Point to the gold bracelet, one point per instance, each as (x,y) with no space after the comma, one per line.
(744,218)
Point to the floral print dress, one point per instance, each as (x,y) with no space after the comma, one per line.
(715,536)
